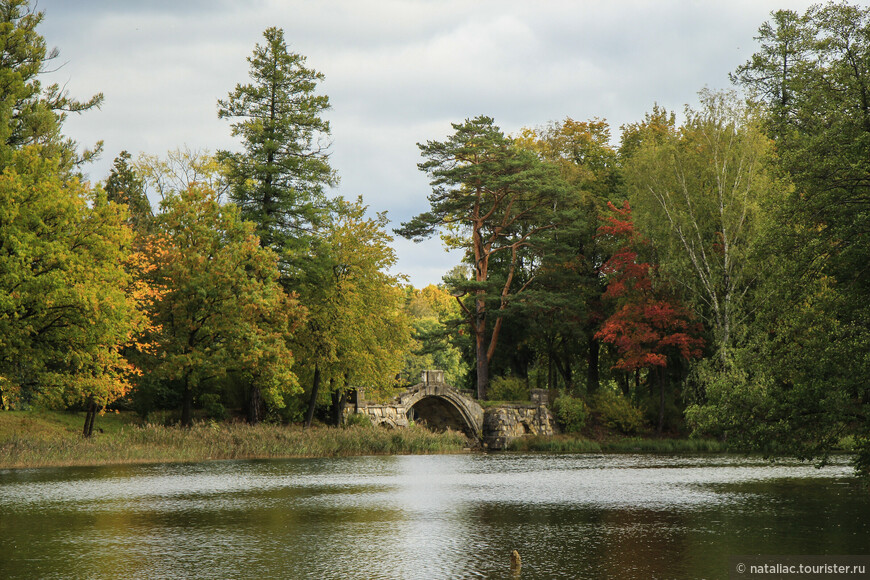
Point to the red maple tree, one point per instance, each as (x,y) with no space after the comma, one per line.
(650,325)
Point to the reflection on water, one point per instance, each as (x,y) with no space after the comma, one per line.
(459,516)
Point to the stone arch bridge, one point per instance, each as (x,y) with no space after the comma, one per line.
(440,406)
(431,401)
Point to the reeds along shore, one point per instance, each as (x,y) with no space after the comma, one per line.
(41,445)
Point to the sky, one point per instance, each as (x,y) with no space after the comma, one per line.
(397,73)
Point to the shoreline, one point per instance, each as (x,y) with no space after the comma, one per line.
(43,439)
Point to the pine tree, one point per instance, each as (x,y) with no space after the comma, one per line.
(278,180)
(29,115)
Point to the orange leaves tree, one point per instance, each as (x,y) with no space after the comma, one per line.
(650,326)
(65,313)
(216,305)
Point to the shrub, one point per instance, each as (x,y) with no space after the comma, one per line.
(359,419)
(214,409)
(508,389)
(617,412)
(570,413)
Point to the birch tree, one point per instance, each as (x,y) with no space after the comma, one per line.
(700,193)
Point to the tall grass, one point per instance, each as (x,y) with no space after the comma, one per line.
(569,444)
(207,441)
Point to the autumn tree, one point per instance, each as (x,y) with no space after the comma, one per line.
(178,170)
(218,306)
(700,193)
(650,326)
(357,333)
(433,313)
(278,179)
(563,304)
(65,312)
(493,199)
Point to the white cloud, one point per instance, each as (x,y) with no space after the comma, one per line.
(397,73)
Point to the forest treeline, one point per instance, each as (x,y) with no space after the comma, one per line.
(705,275)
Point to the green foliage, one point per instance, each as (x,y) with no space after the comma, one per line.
(434,314)
(812,73)
(124,186)
(278,180)
(213,407)
(31,116)
(215,305)
(358,420)
(64,309)
(571,413)
(508,389)
(356,334)
(617,412)
(862,457)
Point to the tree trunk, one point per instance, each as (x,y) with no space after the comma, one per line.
(255,406)
(564,370)
(480,344)
(592,375)
(661,425)
(624,384)
(339,398)
(312,402)
(90,416)
(186,403)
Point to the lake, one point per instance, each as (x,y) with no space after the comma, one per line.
(446,516)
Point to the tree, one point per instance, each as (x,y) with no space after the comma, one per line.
(650,326)
(29,115)
(65,307)
(811,73)
(700,193)
(822,130)
(356,334)
(278,180)
(433,312)
(564,302)
(124,186)
(179,170)
(491,198)
(218,306)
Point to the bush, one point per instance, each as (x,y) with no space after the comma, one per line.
(508,389)
(358,419)
(570,413)
(213,407)
(617,412)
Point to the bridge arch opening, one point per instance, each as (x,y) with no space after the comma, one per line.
(439,414)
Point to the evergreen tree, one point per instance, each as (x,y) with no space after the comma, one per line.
(279,178)
(29,115)
(495,200)
(125,186)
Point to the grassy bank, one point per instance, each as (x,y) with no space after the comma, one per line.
(573,444)
(40,439)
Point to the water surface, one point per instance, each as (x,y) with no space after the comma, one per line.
(454,516)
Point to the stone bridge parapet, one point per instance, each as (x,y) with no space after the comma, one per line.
(441,406)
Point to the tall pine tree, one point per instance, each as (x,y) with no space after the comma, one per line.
(278,179)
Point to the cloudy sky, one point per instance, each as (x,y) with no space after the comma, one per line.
(398,72)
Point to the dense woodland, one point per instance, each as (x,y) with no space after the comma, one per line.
(705,276)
